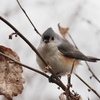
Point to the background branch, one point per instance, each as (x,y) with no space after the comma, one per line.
(87,85)
(17,32)
(28,18)
(26,66)
(85,61)
(92,72)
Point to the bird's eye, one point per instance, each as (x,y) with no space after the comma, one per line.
(52,38)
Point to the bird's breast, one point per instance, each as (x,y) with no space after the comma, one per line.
(60,64)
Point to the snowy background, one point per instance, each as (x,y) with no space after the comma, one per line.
(83,19)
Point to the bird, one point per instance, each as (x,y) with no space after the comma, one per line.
(59,53)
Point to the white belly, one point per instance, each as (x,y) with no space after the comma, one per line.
(59,63)
(59,66)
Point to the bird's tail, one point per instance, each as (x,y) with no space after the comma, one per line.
(92,59)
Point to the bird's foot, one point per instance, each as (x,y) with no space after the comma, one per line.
(52,78)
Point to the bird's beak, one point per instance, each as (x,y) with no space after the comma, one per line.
(46,41)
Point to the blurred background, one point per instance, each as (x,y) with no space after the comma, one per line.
(83,19)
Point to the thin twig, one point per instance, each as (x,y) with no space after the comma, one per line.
(10,36)
(72,40)
(87,85)
(88,98)
(85,61)
(72,66)
(17,32)
(92,72)
(28,18)
(69,76)
(26,66)
(68,93)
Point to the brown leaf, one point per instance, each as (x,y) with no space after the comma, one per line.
(63,31)
(71,97)
(11,81)
(62,96)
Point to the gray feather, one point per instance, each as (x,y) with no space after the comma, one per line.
(68,50)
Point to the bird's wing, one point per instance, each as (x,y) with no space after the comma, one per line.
(70,51)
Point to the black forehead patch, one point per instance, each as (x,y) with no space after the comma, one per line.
(46,37)
(49,33)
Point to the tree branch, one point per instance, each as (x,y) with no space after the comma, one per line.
(26,66)
(92,72)
(17,32)
(28,18)
(85,61)
(87,85)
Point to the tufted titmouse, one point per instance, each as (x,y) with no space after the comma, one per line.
(59,53)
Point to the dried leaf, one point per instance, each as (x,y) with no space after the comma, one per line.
(62,96)
(71,96)
(11,81)
(63,31)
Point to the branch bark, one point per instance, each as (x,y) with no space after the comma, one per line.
(28,18)
(87,85)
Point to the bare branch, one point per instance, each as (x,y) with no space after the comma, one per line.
(71,95)
(85,61)
(92,72)
(14,61)
(10,36)
(17,32)
(69,79)
(87,85)
(28,18)
(72,66)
